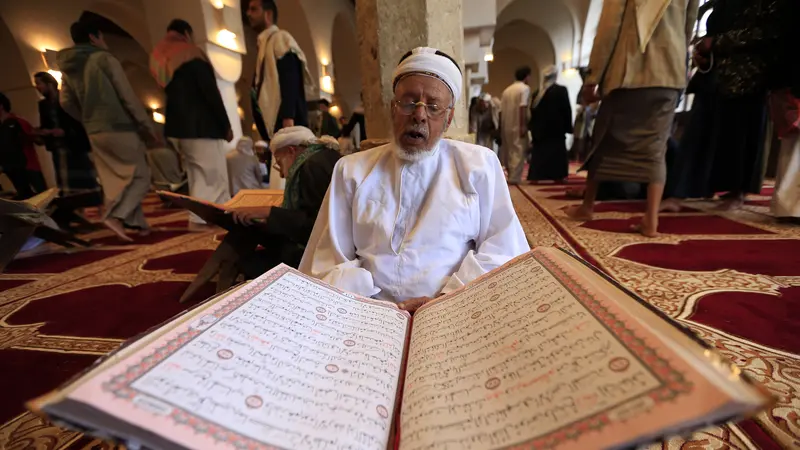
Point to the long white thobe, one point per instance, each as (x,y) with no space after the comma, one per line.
(395,230)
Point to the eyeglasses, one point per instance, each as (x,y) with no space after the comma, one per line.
(408,108)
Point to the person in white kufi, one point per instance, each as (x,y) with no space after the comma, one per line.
(422,216)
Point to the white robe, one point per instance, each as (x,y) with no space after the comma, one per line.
(396,230)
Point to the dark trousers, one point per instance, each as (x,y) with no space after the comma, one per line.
(27,183)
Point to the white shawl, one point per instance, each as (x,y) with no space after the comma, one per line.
(274,44)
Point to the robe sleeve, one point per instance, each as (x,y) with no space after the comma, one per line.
(331,252)
(501,237)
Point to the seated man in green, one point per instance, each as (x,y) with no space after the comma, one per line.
(307,165)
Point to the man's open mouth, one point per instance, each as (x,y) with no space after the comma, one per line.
(414,136)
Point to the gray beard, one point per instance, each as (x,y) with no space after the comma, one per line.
(416,155)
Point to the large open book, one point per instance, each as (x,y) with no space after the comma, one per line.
(215,213)
(544,352)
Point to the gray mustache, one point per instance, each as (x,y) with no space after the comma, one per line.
(418,128)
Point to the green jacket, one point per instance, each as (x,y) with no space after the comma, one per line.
(95,90)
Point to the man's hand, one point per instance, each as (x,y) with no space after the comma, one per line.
(703,46)
(229,135)
(413,304)
(288,123)
(250,215)
(589,94)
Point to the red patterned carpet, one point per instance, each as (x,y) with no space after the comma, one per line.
(732,278)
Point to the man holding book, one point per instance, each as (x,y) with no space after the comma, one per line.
(307,165)
(421,216)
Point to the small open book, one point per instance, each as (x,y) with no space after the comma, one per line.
(214,213)
(542,353)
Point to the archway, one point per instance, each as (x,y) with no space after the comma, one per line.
(133,57)
(346,65)
(501,70)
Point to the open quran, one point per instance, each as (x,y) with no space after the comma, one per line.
(216,213)
(544,352)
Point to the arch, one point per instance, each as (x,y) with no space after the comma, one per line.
(529,39)
(346,64)
(501,70)
(292,18)
(554,17)
(127,15)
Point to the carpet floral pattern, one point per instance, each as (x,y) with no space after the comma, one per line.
(732,278)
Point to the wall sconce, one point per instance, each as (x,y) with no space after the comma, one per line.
(49,59)
(227,39)
(240,111)
(489,57)
(335,111)
(254,127)
(568,71)
(159,118)
(326,82)
(218,4)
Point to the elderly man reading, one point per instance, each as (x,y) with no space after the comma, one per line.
(422,216)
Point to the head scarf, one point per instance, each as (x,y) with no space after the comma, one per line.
(245,146)
(549,77)
(433,63)
(296,135)
(302,137)
(648,15)
(170,54)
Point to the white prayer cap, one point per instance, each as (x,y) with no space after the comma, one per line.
(296,135)
(245,145)
(550,72)
(486,97)
(262,144)
(430,62)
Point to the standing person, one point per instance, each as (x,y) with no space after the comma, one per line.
(65,138)
(551,121)
(96,91)
(485,122)
(17,153)
(330,127)
(514,125)
(244,170)
(638,67)
(722,149)
(196,120)
(278,93)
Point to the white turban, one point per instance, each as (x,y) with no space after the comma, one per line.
(432,63)
(296,135)
(245,146)
(486,97)
(262,144)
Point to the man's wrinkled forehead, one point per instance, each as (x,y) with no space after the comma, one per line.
(417,86)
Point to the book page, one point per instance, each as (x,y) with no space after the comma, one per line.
(255,197)
(529,355)
(286,362)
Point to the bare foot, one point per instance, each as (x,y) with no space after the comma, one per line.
(670,205)
(116,226)
(579,213)
(646,230)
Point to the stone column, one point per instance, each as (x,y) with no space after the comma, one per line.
(387,29)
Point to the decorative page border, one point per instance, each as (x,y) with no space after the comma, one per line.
(120,385)
(673,382)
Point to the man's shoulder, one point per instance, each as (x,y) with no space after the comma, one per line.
(476,156)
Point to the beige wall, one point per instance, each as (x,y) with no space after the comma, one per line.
(346,66)
(501,70)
